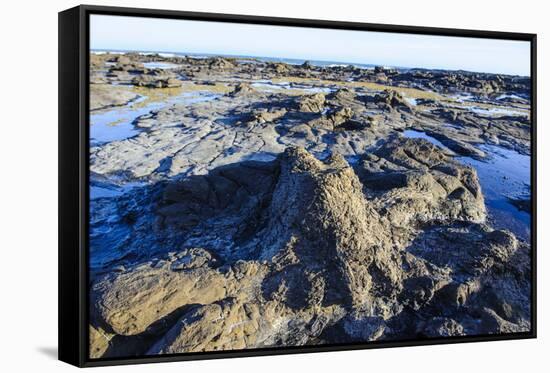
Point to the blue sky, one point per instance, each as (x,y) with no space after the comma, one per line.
(406,50)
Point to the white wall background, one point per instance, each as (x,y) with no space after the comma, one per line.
(28,185)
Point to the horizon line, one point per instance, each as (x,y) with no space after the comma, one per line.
(347,63)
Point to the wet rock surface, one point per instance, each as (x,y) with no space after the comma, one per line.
(268,204)
(106,96)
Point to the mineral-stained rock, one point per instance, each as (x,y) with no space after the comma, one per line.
(99,342)
(312,104)
(218,326)
(132,302)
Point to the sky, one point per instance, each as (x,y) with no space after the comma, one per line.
(364,47)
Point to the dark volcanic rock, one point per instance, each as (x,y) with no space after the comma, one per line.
(234,236)
(442,327)
(343,96)
(415,183)
(264,115)
(393,100)
(341,116)
(156,82)
(219,63)
(298,249)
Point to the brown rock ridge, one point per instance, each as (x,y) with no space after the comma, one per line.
(317,251)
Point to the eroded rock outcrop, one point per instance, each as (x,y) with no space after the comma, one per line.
(264,115)
(312,104)
(215,229)
(392,100)
(414,182)
(299,251)
(242,89)
(152,81)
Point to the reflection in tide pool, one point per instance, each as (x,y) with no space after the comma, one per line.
(505,174)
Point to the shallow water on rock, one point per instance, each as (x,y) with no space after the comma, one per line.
(108,190)
(267,85)
(496,111)
(411,101)
(512,96)
(159,65)
(503,175)
(117,123)
(463,97)
(412,134)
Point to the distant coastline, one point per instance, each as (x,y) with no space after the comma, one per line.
(290,61)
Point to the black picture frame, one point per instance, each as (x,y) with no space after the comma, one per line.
(74,180)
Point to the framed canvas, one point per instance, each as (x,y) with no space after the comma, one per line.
(233,185)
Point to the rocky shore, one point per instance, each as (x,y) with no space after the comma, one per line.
(259,204)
